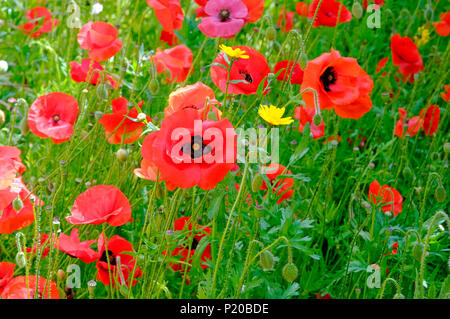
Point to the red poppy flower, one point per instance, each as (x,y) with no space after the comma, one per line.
(340,83)
(187,250)
(387,196)
(282,186)
(328,12)
(446,95)
(85,71)
(169,37)
(25,288)
(10,165)
(381,64)
(42,22)
(100,204)
(320,295)
(177,60)
(301,8)
(443,27)
(10,219)
(197,96)
(286,21)
(413,124)
(6,273)
(296,75)
(53,115)
(72,246)
(188,151)
(44,245)
(148,171)
(119,126)
(406,56)
(377,2)
(248,73)
(117,247)
(100,39)
(430,118)
(170,15)
(306,115)
(255,9)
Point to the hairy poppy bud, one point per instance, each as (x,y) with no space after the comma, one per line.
(23,126)
(317,119)
(257,182)
(158,191)
(20,259)
(303,61)
(447,148)
(290,272)
(3,66)
(428,14)
(17,204)
(102,92)
(98,115)
(357,9)
(407,173)
(122,155)
(60,274)
(271,33)
(2,117)
(440,194)
(266,260)
(212,116)
(154,86)
(417,251)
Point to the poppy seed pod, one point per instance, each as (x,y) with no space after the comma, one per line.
(91,287)
(290,272)
(122,155)
(257,182)
(440,194)
(357,10)
(266,260)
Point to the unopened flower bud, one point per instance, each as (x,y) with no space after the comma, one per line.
(290,272)
(3,66)
(271,33)
(447,148)
(317,119)
(102,92)
(122,155)
(141,117)
(23,126)
(399,296)
(440,194)
(417,251)
(266,260)
(357,9)
(303,61)
(98,115)
(17,204)
(60,274)
(154,86)
(2,117)
(212,116)
(257,182)
(21,259)
(407,173)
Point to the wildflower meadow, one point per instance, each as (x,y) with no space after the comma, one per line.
(224,149)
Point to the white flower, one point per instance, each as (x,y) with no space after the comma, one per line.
(3,66)
(97,8)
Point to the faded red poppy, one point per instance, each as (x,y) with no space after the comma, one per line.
(188,151)
(101,204)
(328,13)
(255,9)
(10,165)
(100,39)
(430,118)
(341,84)
(53,115)
(118,248)
(406,56)
(6,274)
(170,15)
(197,96)
(387,196)
(86,71)
(283,187)
(10,219)
(413,124)
(446,95)
(306,115)
(75,248)
(187,250)
(42,22)
(301,8)
(286,21)
(249,72)
(119,126)
(443,27)
(21,288)
(294,76)
(377,2)
(177,61)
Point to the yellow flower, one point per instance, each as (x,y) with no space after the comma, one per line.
(273,115)
(234,53)
(423,36)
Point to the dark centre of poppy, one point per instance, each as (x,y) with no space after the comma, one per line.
(224,15)
(196,148)
(246,76)
(328,78)
(112,260)
(56,118)
(194,244)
